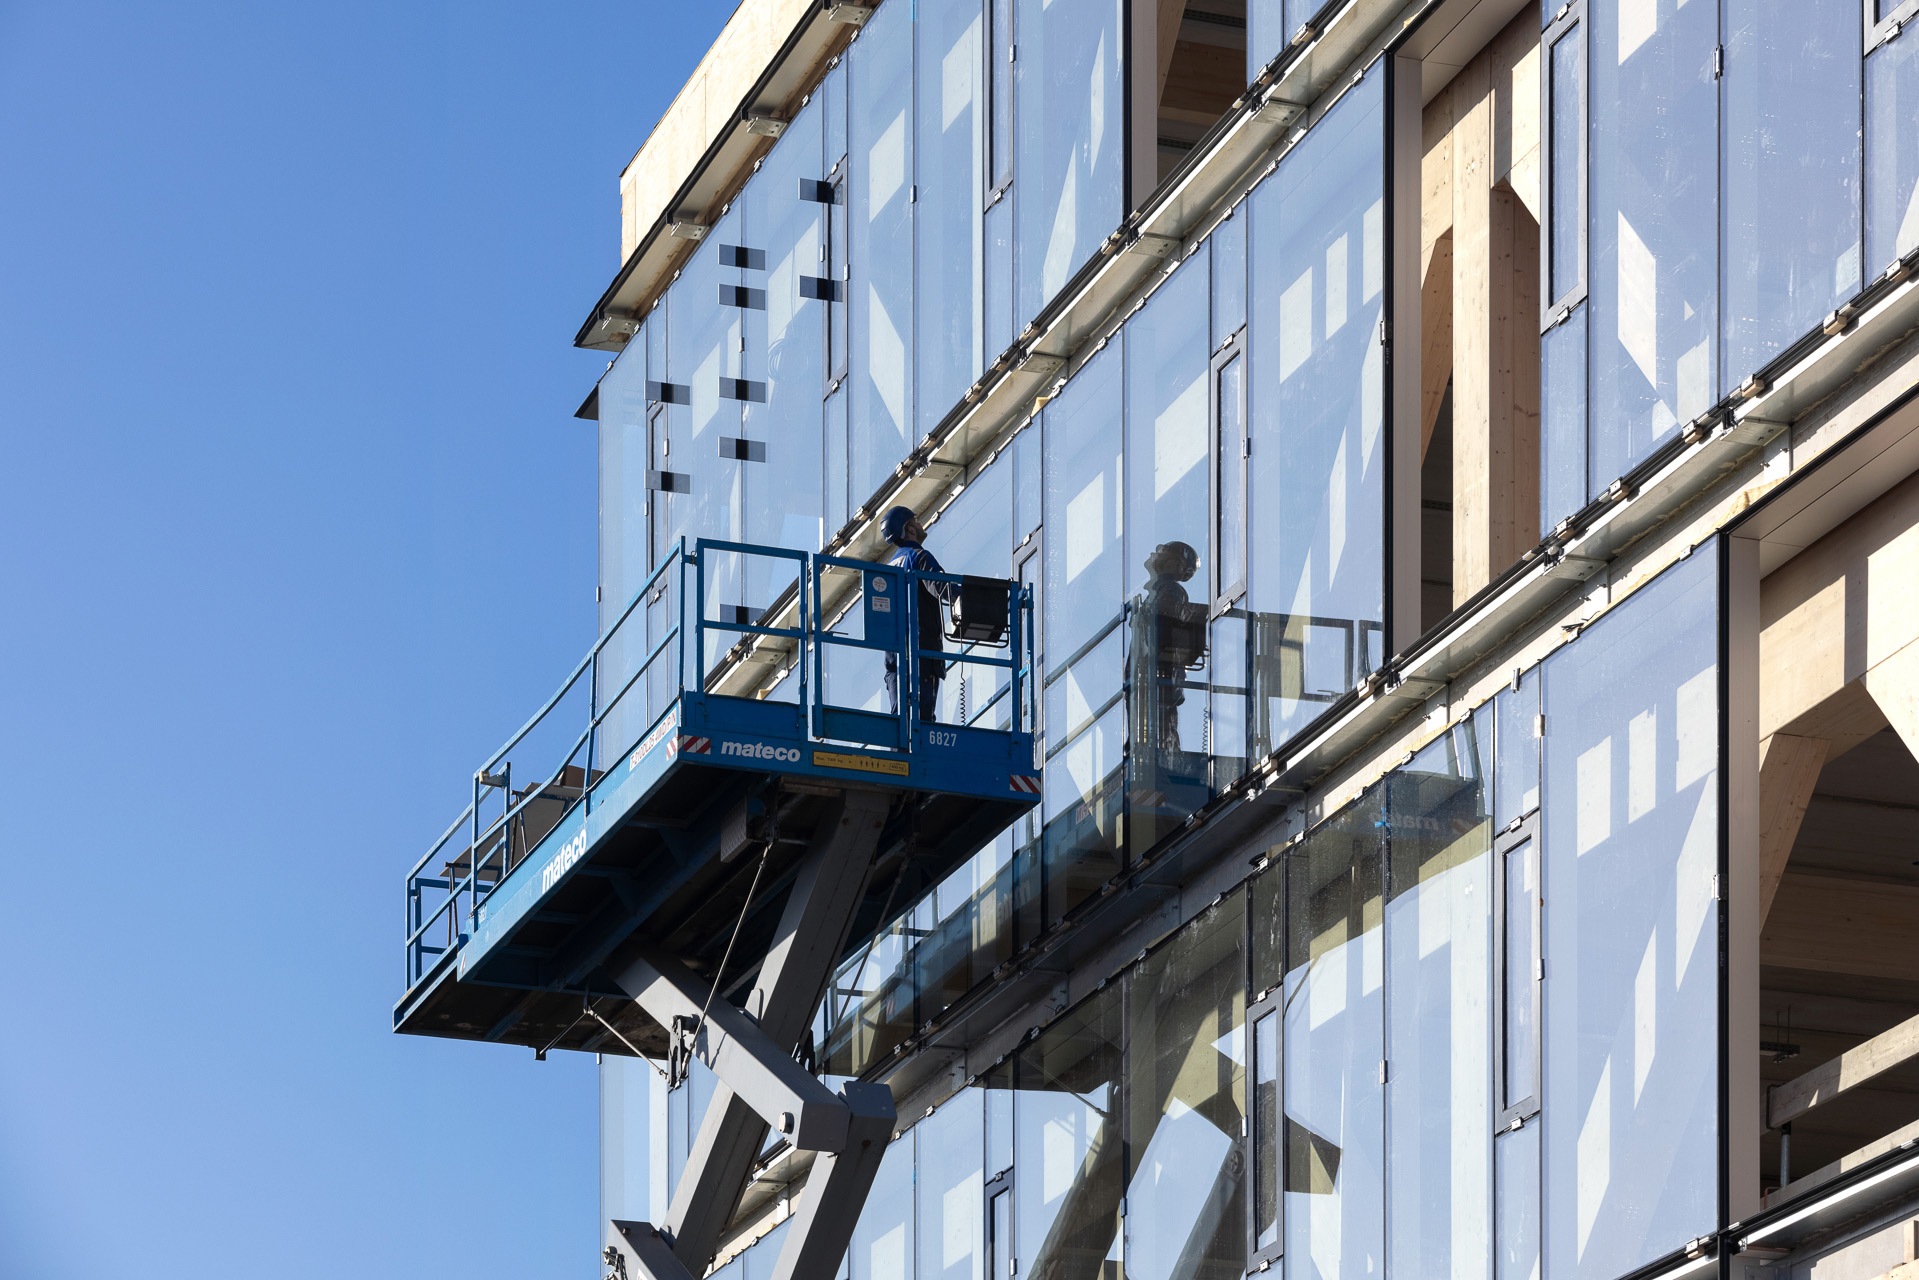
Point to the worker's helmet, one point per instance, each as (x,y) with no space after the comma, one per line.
(893,524)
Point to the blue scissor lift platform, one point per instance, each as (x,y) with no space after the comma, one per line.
(688,893)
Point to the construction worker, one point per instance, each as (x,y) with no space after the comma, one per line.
(903,529)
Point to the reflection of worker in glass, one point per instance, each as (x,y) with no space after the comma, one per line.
(902,528)
(1170,639)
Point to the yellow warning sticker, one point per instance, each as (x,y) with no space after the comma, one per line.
(869,764)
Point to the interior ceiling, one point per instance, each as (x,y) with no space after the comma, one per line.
(1863,825)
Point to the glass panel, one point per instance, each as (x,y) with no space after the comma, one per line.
(784,503)
(1082,507)
(1083,810)
(1069,141)
(1562,420)
(1229,534)
(1229,276)
(1186,1089)
(971,916)
(1085,690)
(1166,503)
(1026,482)
(996,288)
(1439,967)
(1316,415)
(1269,925)
(1568,158)
(999,75)
(1631,848)
(882,1246)
(764,1257)
(1334,1211)
(973,534)
(1226,741)
(999,1121)
(1069,1158)
(833,95)
(881,284)
(951,1221)
(1000,1235)
(952,170)
(1516,1155)
(1791,126)
(1654,254)
(633,1181)
(874,999)
(837,509)
(1516,780)
(1892,151)
(1266,1131)
(624,563)
(1521,1048)
(1270,25)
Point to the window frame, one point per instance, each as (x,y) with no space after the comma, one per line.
(1225,595)
(999,1184)
(1517,834)
(1883,30)
(998,50)
(1271,1003)
(1554,310)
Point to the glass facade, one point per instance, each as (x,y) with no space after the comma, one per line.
(1316,577)
(1465,1026)
(1337,1068)
(1631,834)
(1718,180)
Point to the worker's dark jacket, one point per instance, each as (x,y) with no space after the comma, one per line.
(913,556)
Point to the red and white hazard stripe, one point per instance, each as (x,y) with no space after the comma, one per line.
(1026,782)
(695,746)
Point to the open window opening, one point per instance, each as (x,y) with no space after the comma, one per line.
(1479,289)
(1839,976)
(1201,68)
(1838,852)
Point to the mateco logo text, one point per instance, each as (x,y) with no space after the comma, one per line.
(760,751)
(570,853)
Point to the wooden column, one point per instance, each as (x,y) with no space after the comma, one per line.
(1788,771)
(1495,317)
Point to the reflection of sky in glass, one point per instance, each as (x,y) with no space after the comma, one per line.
(1631,840)
(1173,1187)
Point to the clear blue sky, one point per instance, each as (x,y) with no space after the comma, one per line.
(295,526)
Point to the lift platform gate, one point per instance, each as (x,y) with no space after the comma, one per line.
(723,802)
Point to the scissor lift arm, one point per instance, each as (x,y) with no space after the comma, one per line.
(760,1082)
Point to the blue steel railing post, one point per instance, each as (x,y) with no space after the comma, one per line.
(699,619)
(592,731)
(472,866)
(908,683)
(815,711)
(799,655)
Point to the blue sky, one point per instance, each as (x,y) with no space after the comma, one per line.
(295,527)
